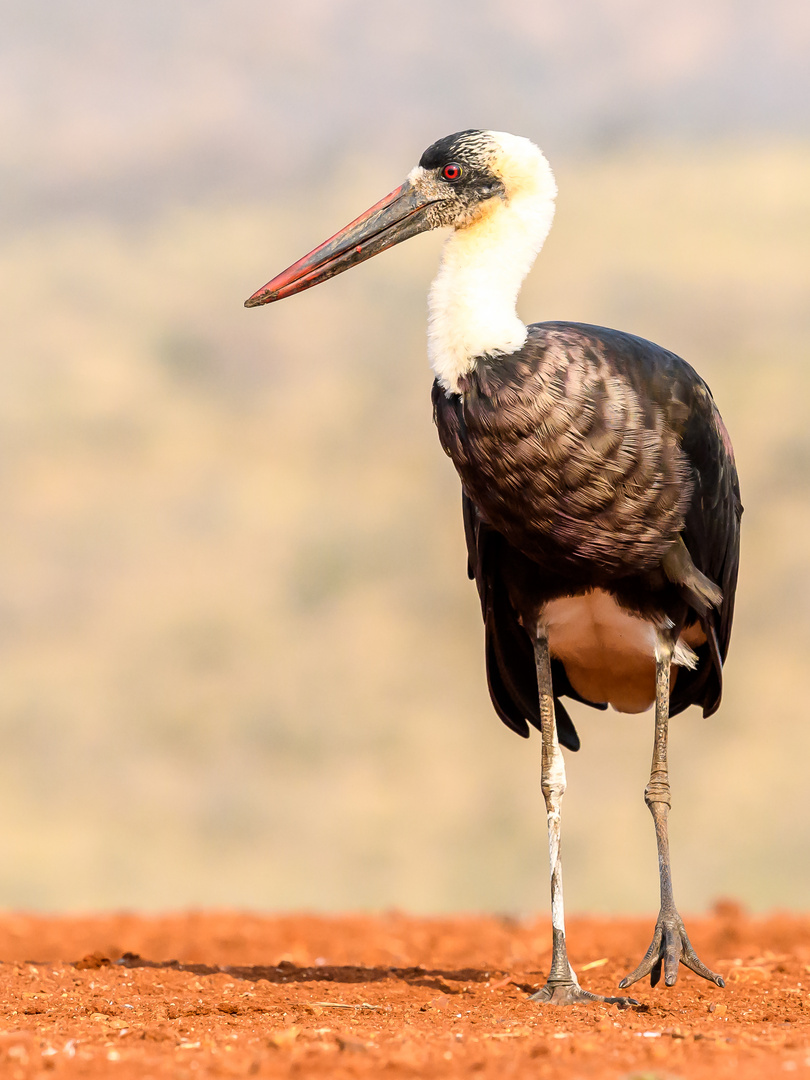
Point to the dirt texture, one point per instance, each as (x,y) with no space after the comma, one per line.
(226,994)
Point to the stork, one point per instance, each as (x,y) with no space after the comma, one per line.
(600,497)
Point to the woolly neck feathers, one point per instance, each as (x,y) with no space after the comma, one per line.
(471,305)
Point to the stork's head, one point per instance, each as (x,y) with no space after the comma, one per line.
(458,180)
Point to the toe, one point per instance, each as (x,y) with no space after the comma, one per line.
(651,958)
(690,959)
(672,957)
(622,1002)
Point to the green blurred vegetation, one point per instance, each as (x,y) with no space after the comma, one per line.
(241,660)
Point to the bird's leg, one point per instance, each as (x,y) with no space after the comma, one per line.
(670,945)
(561,987)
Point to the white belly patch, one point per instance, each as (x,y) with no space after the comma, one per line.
(609,653)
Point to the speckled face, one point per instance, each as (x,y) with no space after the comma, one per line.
(459,172)
(461,180)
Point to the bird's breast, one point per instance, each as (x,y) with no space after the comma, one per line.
(568,459)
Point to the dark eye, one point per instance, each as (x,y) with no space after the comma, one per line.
(452,172)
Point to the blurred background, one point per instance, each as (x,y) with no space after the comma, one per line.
(240,660)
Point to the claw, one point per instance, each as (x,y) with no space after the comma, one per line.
(670,947)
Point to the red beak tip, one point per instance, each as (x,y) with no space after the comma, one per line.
(259,298)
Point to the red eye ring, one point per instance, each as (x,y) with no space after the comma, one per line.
(452,172)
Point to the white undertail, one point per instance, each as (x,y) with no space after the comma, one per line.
(471,305)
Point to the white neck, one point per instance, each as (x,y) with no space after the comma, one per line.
(471,305)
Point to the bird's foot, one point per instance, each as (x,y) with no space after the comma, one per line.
(670,947)
(573,994)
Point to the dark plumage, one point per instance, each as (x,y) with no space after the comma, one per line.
(583,457)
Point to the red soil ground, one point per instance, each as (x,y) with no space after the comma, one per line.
(228,995)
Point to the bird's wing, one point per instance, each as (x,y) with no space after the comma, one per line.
(511,672)
(711,531)
(712,537)
(669,387)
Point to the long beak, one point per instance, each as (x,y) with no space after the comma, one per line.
(400,215)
